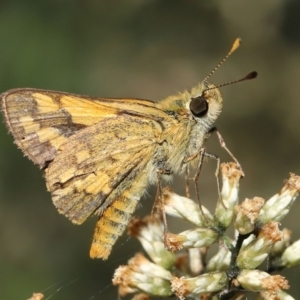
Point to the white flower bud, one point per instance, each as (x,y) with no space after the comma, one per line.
(149,232)
(220,261)
(279,205)
(193,238)
(141,274)
(291,256)
(258,250)
(209,282)
(247,214)
(184,208)
(231,175)
(256,281)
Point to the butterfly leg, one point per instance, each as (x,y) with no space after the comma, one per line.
(223,145)
(159,203)
(203,153)
(187,186)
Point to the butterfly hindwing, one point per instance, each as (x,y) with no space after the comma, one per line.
(98,163)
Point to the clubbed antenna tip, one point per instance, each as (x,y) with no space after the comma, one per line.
(235,45)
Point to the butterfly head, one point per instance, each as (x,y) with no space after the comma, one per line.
(205,103)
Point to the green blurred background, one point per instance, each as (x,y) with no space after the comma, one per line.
(142,49)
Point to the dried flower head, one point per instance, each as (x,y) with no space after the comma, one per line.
(233,270)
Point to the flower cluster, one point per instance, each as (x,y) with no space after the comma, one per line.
(230,273)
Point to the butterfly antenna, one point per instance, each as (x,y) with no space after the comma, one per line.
(251,75)
(235,45)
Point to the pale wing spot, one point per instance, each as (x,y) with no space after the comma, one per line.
(52,136)
(58,141)
(47,134)
(67,175)
(59,194)
(98,184)
(82,156)
(28,124)
(45,104)
(80,184)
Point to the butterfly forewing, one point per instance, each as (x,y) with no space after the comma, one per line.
(41,120)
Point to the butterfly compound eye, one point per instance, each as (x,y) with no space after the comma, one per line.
(199,106)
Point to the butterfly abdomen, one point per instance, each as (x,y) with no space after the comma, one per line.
(110,226)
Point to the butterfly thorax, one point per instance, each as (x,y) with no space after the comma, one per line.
(185,136)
